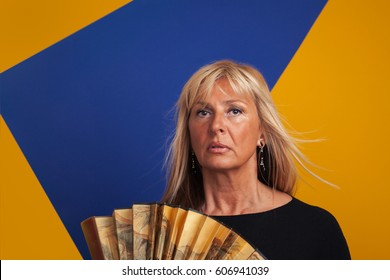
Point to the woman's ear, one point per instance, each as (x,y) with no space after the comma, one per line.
(261,142)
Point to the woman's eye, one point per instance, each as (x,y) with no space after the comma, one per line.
(203,113)
(235,111)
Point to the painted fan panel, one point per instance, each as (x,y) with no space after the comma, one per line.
(163,232)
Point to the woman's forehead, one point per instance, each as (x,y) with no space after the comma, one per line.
(222,89)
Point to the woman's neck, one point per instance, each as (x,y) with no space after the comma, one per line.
(233,192)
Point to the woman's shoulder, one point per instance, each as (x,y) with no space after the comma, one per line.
(308,214)
(304,206)
(324,225)
(310,230)
(309,209)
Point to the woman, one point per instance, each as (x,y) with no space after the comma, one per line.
(232,159)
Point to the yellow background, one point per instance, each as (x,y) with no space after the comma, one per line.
(336,86)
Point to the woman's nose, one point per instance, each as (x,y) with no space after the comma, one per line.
(217,124)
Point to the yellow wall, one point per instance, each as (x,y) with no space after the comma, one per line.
(338,85)
(27,27)
(30,226)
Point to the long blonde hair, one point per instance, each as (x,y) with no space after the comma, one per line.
(186,188)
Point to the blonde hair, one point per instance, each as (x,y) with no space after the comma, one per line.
(185,188)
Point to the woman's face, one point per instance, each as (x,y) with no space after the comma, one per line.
(225,130)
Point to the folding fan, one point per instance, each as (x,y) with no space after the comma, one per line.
(163,232)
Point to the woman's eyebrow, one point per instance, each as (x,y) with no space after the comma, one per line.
(227,102)
(201,104)
(230,101)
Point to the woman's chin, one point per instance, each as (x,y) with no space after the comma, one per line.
(219,167)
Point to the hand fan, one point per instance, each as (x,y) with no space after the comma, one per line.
(163,232)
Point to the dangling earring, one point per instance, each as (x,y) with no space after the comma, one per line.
(193,167)
(262,165)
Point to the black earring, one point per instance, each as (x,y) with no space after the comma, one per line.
(262,165)
(193,166)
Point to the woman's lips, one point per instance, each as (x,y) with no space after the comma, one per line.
(217,148)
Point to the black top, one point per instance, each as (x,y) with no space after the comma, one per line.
(294,231)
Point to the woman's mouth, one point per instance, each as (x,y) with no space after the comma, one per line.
(217,148)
